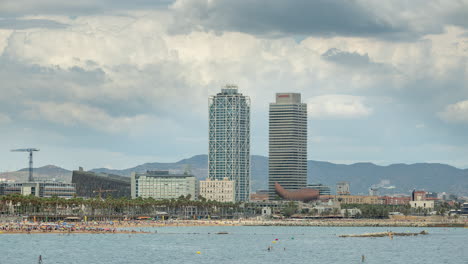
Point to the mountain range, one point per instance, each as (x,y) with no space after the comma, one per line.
(361,176)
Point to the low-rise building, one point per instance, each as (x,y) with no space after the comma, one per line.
(418,195)
(395,200)
(258,197)
(39,189)
(351,212)
(93,184)
(464,209)
(323,189)
(422,204)
(352,199)
(162,185)
(216,190)
(342,188)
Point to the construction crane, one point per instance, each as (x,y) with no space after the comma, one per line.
(30,150)
(101,191)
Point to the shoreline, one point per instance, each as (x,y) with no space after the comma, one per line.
(131,227)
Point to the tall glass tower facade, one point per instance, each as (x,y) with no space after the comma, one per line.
(287,162)
(229,139)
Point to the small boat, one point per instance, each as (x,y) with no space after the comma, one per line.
(222,233)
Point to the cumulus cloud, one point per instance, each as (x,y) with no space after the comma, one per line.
(104,74)
(74,114)
(455,113)
(337,106)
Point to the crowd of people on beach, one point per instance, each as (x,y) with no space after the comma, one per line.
(56,227)
(132,226)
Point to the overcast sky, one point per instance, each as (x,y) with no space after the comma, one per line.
(116,83)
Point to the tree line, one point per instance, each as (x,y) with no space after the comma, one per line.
(16,204)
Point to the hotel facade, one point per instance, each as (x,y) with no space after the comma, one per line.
(229,140)
(218,190)
(162,185)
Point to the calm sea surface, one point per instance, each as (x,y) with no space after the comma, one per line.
(241,245)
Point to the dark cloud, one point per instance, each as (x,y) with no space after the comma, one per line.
(355,61)
(271,17)
(30,23)
(347,58)
(327,18)
(22,82)
(74,8)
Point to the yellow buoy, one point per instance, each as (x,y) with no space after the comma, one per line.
(198,252)
(273,241)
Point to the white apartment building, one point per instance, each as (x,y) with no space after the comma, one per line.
(162,185)
(218,190)
(422,204)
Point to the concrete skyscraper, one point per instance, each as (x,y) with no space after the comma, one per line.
(288,143)
(229,139)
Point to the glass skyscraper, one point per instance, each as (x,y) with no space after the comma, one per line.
(229,139)
(287,162)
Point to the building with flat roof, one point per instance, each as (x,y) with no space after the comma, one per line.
(353,199)
(396,200)
(287,161)
(323,189)
(39,189)
(418,195)
(342,188)
(422,204)
(229,139)
(92,184)
(162,185)
(216,190)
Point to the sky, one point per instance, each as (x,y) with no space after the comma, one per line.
(116,83)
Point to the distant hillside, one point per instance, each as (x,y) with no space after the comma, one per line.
(196,164)
(427,176)
(47,172)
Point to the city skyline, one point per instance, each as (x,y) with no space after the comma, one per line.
(117,84)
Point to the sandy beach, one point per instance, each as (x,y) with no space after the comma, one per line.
(133,226)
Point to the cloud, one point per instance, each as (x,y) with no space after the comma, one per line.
(73,8)
(4,119)
(75,115)
(30,23)
(267,17)
(398,20)
(104,76)
(455,113)
(337,106)
(348,58)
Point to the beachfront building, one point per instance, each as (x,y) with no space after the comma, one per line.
(287,162)
(352,199)
(94,184)
(323,189)
(162,185)
(216,190)
(39,189)
(229,139)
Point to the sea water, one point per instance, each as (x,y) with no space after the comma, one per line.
(242,244)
